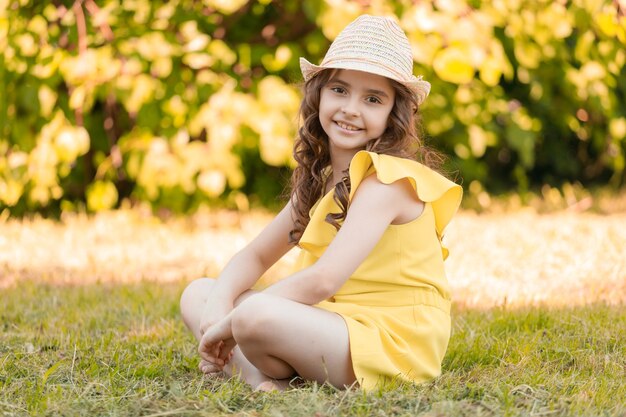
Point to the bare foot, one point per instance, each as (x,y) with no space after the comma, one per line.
(209,368)
(273,385)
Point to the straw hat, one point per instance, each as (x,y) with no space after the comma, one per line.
(373,44)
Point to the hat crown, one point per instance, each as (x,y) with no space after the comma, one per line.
(373,44)
(376,40)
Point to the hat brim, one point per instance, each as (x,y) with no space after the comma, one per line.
(420,87)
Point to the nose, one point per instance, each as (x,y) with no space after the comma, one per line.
(350,108)
(350,112)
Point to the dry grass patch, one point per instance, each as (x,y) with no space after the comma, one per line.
(525,258)
(514,258)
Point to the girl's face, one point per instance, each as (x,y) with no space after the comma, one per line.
(354,108)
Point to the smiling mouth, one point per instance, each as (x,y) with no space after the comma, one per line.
(347,126)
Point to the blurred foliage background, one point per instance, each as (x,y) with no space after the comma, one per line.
(184,103)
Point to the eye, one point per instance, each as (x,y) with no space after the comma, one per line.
(373,99)
(338,90)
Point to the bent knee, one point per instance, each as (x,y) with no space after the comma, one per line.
(254,318)
(195,294)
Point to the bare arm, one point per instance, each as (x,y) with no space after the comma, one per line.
(374,207)
(246,266)
(239,274)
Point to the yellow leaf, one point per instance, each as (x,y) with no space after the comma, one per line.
(181,138)
(198,60)
(143,90)
(279,60)
(50,67)
(10,191)
(189,30)
(154,45)
(420,18)
(177,108)
(105,14)
(607,22)
(593,70)
(453,65)
(80,69)
(101,195)
(17,159)
(166,11)
(47,100)
(71,142)
(617,128)
(218,49)
(141,8)
(561,24)
(39,194)
(527,54)
(274,93)
(461,151)
(336,15)
(479,139)
(27,44)
(223,136)
(50,129)
(50,12)
(212,183)
(197,43)
(425,47)
(206,76)
(226,6)
(77,99)
(108,66)
(275,150)
(162,67)
(38,25)
(490,71)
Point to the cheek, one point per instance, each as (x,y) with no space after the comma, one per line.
(384,119)
(388,118)
(325,108)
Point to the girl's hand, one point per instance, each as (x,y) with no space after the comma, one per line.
(215,310)
(217,343)
(208,368)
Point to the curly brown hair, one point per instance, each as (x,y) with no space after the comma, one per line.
(311,151)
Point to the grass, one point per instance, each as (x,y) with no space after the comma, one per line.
(121,349)
(89,321)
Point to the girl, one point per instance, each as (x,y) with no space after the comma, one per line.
(369,300)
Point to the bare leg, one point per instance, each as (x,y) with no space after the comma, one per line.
(279,336)
(192,304)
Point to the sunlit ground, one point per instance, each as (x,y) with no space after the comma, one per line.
(515,258)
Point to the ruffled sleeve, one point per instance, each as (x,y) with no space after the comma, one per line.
(430,187)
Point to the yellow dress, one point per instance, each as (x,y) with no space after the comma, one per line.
(397,303)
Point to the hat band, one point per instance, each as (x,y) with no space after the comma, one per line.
(366,63)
